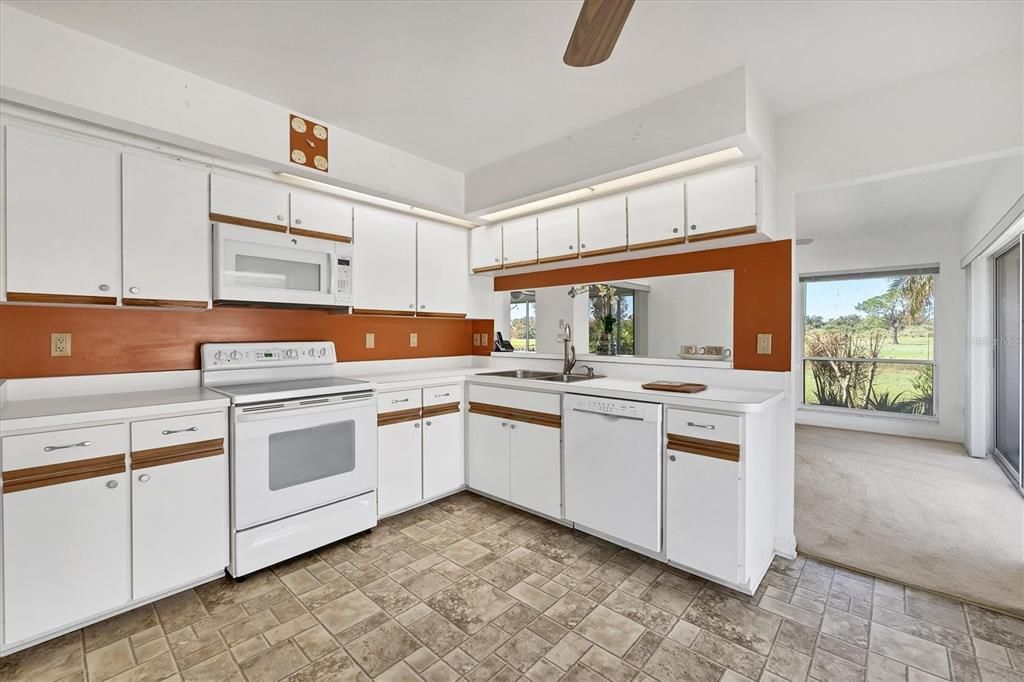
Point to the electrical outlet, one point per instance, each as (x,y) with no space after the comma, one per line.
(483,340)
(413,336)
(371,340)
(476,339)
(764,344)
(60,345)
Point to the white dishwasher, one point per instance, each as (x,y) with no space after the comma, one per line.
(613,468)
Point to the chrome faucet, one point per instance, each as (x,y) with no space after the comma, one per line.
(568,351)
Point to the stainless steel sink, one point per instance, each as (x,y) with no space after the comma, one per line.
(521,374)
(570,378)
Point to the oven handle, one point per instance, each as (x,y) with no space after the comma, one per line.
(310,406)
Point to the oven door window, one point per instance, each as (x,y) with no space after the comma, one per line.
(305,455)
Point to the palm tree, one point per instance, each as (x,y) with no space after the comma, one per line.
(916,291)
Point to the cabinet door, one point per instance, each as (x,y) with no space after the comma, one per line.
(558,235)
(603,226)
(384,262)
(702,514)
(66,554)
(63,219)
(320,216)
(488,455)
(444,459)
(536,468)
(519,238)
(656,216)
(166,233)
(485,248)
(399,466)
(179,523)
(248,203)
(722,203)
(442,283)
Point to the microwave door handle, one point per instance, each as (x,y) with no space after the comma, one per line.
(331,273)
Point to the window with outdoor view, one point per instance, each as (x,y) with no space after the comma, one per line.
(523,317)
(869,341)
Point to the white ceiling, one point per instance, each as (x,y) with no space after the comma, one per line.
(939,198)
(467,83)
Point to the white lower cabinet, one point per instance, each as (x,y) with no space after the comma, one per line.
(400,466)
(535,466)
(444,429)
(488,455)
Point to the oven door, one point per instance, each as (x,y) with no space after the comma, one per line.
(266,267)
(294,456)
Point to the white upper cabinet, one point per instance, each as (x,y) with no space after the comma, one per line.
(249,203)
(656,216)
(384,261)
(603,226)
(442,286)
(726,200)
(558,235)
(485,248)
(166,233)
(520,242)
(324,217)
(63,219)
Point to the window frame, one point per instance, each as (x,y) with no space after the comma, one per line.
(869,273)
(530,304)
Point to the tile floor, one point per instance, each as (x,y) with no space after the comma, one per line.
(467,588)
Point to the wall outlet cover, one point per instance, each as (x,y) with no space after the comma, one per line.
(60,344)
(476,339)
(371,340)
(764,344)
(413,339)
(484,340)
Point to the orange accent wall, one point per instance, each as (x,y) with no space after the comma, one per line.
(112,340)
(762,291)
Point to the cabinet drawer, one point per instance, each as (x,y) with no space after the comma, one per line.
(69,445)
(533,401)
(398,400)
(195,428)
(442,395)
(704,425)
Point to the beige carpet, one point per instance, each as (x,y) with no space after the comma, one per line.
(915,511)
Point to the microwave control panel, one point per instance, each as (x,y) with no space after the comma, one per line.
(343,276)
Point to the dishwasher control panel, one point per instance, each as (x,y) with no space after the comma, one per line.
(614,408)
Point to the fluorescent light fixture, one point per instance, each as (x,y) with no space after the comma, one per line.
(618,184)
(377,201)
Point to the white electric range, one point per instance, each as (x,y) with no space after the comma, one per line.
(303,449)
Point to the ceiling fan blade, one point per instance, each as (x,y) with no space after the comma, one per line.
(597,30)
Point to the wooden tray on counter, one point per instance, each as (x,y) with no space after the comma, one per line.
(674,386)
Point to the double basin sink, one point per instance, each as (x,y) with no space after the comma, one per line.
(542,376)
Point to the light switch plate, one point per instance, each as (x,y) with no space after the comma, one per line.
(476,339)
(483,340)
(371,340)
(413,339)
(764,344)
(60,345)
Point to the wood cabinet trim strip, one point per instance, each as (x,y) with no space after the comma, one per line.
(489,268)
(29,478)
(660,242)
(170,454)
(555,259)
(706,448)
(518,263)
(398,416)
(747,229)
(26,297)
(388,313)
(317,234)
(443,408)
(516,414)
(444,315)
(246,222)
(603,252)
(163,303)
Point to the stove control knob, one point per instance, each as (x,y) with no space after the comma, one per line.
(236,356)
(218,356)
(291,353)
(323,352)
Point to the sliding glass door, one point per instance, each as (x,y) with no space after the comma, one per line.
(1008,360)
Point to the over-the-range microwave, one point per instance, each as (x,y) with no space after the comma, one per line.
(253,266)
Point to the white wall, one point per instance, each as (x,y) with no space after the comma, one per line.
(554,310)
(48,66)
(693,309)
(885,246)
(1004,187)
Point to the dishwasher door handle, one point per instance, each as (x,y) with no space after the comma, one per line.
(610,416)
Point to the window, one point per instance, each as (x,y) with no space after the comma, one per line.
(869,341)
(523,316)
(611,320)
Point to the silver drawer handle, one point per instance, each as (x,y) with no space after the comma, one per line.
(441,395)
(701,426)
(83,444)
(168,432)
(403,400)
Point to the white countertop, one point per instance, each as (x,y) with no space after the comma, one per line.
(724,399)
(19,415)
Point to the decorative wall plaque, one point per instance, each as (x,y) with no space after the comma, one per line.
(308,143)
